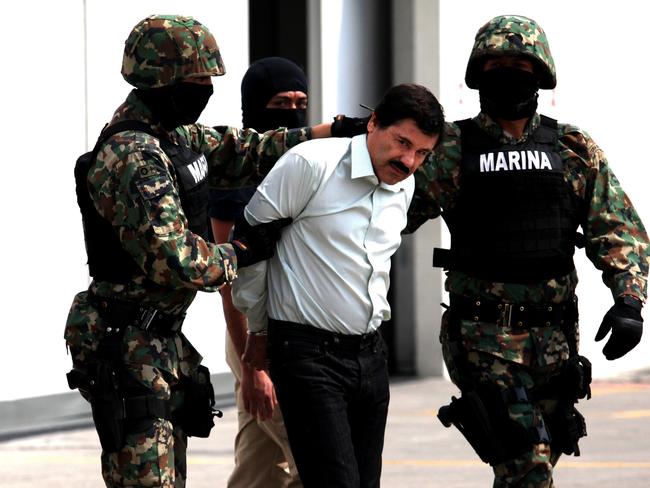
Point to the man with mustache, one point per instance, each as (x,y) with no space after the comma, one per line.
(513,186)
(324,296)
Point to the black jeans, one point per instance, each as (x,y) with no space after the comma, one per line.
(333,393)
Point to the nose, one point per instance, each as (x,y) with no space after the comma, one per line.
(408,159)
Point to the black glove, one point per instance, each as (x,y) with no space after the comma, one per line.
(625,321)
(254,243)
(344,126)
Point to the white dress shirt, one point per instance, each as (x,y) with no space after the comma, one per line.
(331,266)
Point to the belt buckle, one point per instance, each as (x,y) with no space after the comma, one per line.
(506,315)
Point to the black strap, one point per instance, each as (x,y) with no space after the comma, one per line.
(522,315)
(147,406)
(124,125)
(120,313)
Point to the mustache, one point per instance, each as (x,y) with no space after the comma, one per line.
(397,164)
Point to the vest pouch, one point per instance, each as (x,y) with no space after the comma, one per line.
(196,415)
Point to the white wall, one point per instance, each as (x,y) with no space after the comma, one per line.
(601,68)
(601,62)
(43,131)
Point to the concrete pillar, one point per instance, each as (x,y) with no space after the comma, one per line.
(417,287)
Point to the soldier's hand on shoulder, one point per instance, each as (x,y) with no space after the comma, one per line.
(254,243)
(626,324)
(344,126)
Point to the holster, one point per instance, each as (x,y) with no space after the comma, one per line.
(117,408)
(100,386)
(565,424)
(109,412)
(481,415)
(196,415)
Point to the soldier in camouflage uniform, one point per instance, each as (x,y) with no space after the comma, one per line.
(513,186)
(143,196)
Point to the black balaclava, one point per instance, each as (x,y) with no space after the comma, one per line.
(262,81)
(177,104)
(508,93)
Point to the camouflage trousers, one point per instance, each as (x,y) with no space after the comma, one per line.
(155,451)
(155,456)
(482,363)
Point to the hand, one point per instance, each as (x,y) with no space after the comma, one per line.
(625,321)
(258,393)
(255,352)
(344,126)
(254,243)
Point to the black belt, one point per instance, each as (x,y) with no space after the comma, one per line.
(281,329)
(523,315)
(118,312)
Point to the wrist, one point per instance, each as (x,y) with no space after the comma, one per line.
(257,333)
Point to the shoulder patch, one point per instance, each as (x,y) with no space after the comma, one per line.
(152,182)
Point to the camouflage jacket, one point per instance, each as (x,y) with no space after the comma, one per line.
(616,241)
(132,185)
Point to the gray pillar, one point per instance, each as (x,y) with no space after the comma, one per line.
(348,60)
(417,287)
(314,62)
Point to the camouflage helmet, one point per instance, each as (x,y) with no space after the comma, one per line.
(163,49)
(511,35)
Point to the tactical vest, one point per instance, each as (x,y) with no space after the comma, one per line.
(107,260)
(516,217)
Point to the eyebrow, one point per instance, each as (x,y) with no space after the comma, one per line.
(405,138)
(285,97)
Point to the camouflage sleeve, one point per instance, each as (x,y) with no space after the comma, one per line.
(132,188)
(240,157)
(616,240)
(436,181)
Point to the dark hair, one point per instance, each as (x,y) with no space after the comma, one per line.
(411,101)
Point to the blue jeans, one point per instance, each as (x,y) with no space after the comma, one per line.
(333,393)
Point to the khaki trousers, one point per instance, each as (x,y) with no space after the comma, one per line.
(263,457)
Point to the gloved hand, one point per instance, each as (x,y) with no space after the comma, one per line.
(254,243)
(625,321)
(344,126)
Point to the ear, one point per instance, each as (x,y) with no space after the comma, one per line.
(372,123)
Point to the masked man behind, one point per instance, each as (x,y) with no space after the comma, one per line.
(273,94)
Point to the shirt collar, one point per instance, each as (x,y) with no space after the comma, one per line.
(361,165)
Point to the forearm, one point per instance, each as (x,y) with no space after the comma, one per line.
(240,157)
(617,242)
(321,130)
(235,321)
